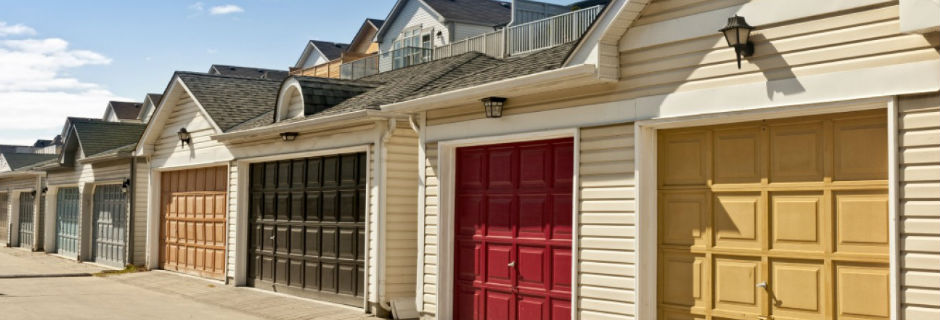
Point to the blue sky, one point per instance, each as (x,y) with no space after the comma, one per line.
(68,58)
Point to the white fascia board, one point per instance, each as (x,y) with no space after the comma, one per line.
(442,100)
(311,124)
(585,48)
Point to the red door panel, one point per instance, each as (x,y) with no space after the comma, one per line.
(513,231)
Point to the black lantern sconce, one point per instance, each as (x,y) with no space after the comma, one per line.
(288,136)
(493,106)
(33,193)
(185,137)
(125,185)
(737,33)
(45,189)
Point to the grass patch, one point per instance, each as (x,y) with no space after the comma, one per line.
(128,269)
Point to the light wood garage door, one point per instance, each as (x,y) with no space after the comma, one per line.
(193,219)
(781,219)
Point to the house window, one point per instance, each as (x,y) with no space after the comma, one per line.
(410,48)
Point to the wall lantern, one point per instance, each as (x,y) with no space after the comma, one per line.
(32,193)
(737,33)
(493,106)
(185,137)
(125,185)
(288,136)
(45,189)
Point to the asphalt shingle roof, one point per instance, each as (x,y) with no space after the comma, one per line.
(487,12)
(22,160)
(126,110)
(155,97)
(248,72)
(230,100)
(98,136)
(331,50)
(378,23)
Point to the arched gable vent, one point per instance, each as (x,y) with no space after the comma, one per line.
(305,96)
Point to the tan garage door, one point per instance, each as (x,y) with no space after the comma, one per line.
(193,221)
(779,219)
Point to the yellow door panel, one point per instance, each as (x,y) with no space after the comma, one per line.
(684,158)
(684,218)
(779,219)
(861,220)
(797,290)
(862,292)
(737,219)
(854,139)
(796,221)
(796,152)
(683,280)
(736,289)
(738,155)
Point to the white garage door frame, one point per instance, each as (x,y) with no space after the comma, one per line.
(646,133)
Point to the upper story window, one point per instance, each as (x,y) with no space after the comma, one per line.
(412,47)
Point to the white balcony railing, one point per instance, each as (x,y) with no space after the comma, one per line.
(515,40)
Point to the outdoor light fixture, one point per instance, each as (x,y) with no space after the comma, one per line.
(33,193)
(125,185)
(45,189)
(737,33)
(288,136)
(493,106)
(185,137)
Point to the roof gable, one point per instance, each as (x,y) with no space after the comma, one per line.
(480,12)
(18,161)
(328,50)
(125,110)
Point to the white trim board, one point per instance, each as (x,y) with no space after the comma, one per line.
(446,168)
(647,185)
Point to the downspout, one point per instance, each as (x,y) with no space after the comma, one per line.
(380,218)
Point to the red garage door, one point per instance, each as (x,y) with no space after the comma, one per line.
(513,231)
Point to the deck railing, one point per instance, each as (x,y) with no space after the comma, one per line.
(515,40)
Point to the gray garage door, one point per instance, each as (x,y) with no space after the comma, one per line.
(66,222)
(26,219)
(110,225)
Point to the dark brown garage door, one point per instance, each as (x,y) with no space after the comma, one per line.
(308,227)
(193,219)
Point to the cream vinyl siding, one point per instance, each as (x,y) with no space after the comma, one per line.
(607,230)
(919,173)
(466,30)
(167,150)
(431,218)
(835,42)
(232,216)
(401,218)
(17,183)
(141,190)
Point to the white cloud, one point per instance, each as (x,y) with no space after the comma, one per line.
(16,29)
(225,9)
(36,93)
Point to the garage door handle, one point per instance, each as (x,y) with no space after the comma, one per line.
(512,264)
(762,285)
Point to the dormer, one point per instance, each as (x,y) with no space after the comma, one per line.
(120,111)
(301,96)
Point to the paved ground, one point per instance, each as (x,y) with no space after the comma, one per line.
(39,286)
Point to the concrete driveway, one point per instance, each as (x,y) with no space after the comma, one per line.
(40,286)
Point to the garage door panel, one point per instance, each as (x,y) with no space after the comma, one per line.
(862,291)
(737,219)
(797,221)
(194,210)
(685,158)
(109,210)
(861,220)
(797,152)
(798,290)
(737,155)
(513,231)
(854,137)
(684,217)
(67,221)
(316,226)
(735,290)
